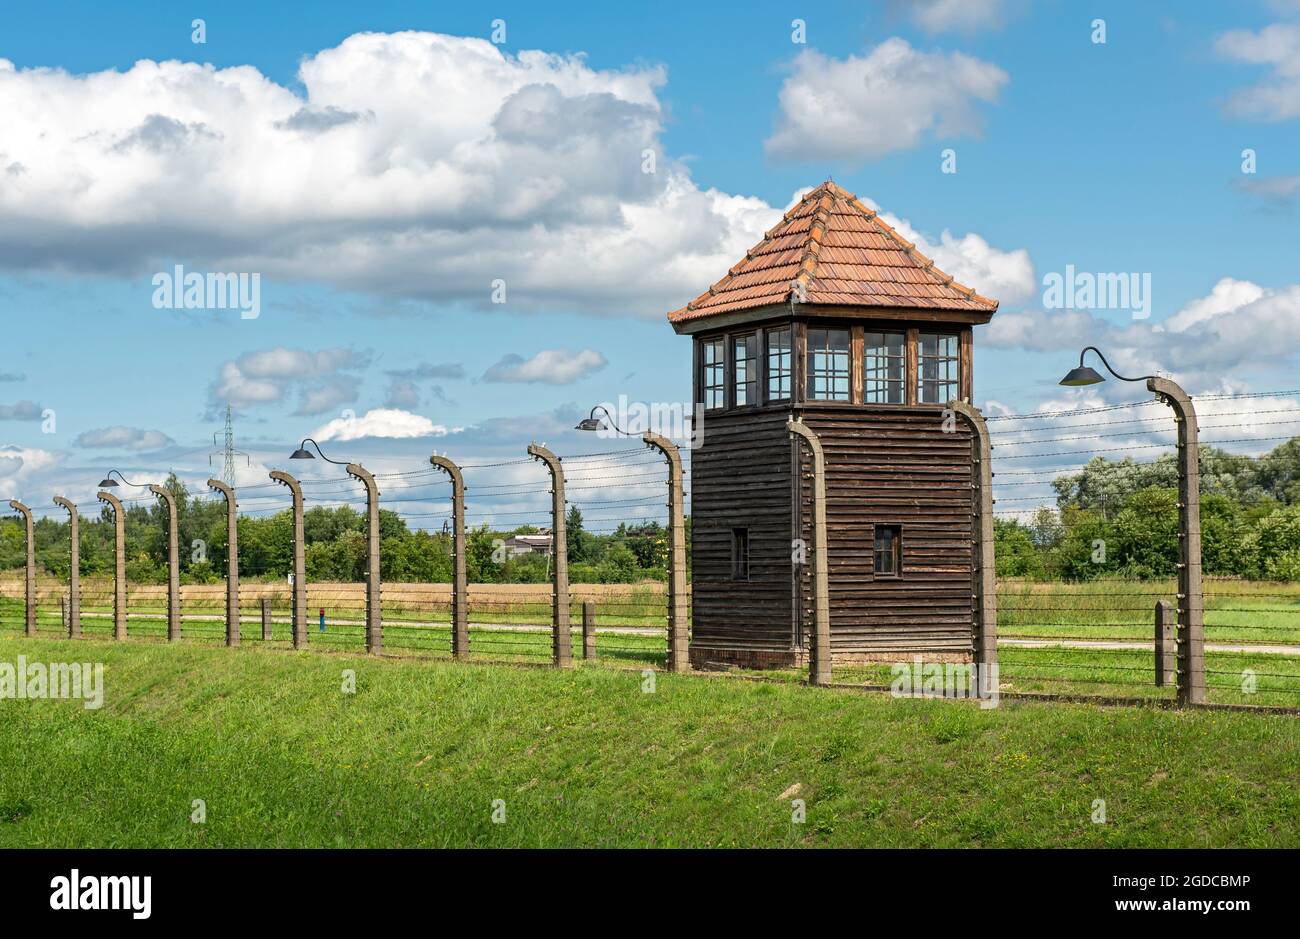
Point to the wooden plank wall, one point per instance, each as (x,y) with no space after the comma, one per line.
(740,478)
(895,466)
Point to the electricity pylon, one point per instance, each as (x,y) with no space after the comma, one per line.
(228,451)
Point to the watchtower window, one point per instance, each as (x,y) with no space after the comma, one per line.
(828,364)
(778,365)
(745,355)
(715,373)
(937,367)
(884,368)
(889,550)
(740,554)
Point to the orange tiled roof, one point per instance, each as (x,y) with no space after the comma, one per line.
(844,254)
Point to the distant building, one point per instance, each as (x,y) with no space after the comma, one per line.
(540,543)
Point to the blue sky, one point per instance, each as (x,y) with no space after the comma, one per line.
(380,185)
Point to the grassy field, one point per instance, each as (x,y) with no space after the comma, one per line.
(422,749)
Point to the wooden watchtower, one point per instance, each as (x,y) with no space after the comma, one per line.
(835,319)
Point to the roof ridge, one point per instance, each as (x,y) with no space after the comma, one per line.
(817,226)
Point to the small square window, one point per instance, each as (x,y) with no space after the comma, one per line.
(938,365)
(740,554)
(828,364)
(889,550)
(884,368)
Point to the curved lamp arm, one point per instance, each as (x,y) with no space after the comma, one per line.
(592,424)
(1085,351)
(112,473)
(308,440)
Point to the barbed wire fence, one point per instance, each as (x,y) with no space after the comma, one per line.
(623,493)
(1101,638)
(1093,638)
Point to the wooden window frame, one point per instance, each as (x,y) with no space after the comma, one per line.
(704,367)
(848,375)
(863,367)
(766,358)
(897,553)
(739,536)
(732,385)
(914,365)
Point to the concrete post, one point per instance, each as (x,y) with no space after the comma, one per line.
(460,577)
(374,609)
(984,585)
(74,571)
(232,561)
(588,629)
(29,591)
(1164,644)
(173,565)
(266,619)
(299,561)
(119,564)
(819,665)
(678,653)
(1191,600)
(561,639)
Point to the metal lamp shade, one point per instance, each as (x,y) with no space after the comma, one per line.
(1083,375)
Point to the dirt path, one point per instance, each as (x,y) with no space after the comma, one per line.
(1140,646)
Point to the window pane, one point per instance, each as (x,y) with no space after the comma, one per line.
(778,364)
(715,375)
(884,368)
(938,368)
(745,352)
(889,546)
(740,554)
(828,364)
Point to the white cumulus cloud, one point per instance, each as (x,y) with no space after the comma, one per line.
(409,164)
(864,107)
(548,367)
(123,438)
(938,16)
(268,376)
(1277,46)
(380,422)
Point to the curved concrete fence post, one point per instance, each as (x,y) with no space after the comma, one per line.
(232,561)
(984,586)
(374,607)
(678,653)
(29,581)
(460,578)
(561,640)
(74,571)
(1191,600)
(819,664)
(173,565)
(119,564)
(299,561)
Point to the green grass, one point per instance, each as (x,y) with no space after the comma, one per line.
(584,757)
